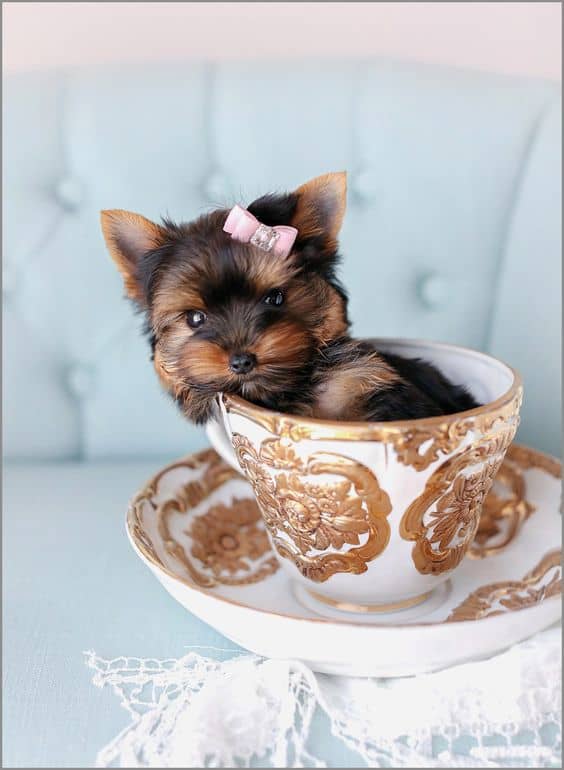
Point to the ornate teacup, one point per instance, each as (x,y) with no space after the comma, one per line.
(374,517)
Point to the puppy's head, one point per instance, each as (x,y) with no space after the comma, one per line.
(226,316)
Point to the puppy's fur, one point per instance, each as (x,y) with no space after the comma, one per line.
(288,314)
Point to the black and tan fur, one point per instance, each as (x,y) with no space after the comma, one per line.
(305,362)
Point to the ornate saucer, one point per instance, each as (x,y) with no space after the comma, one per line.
(198,528)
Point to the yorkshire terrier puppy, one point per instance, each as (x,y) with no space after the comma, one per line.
(248,302)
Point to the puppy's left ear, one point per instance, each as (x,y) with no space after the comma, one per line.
(320,210)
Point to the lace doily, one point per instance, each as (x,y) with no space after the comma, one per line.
(198,711)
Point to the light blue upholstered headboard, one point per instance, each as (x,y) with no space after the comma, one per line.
(452,231)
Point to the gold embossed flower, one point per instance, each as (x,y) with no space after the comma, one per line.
(227,538)
(456,517)
(280,455)
(258,476)
(319,516)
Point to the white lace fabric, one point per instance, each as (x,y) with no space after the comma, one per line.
(196,712)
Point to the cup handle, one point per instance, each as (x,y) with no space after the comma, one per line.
(221,443)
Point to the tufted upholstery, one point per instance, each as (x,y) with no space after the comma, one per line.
(452,231)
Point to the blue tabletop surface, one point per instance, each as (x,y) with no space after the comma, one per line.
(72,583)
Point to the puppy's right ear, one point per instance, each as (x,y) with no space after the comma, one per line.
(129,237)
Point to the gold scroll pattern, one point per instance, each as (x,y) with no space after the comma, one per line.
(306,516)
(225,545)
(504,511)
(542,582)
(444,519)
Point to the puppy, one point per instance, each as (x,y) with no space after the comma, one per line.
(248,302)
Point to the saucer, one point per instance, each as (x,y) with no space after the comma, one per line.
(197,526)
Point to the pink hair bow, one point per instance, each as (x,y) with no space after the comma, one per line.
(244,227)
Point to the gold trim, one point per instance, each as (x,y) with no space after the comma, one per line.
(511,595)
(139,544)
(370,608)
(296,427)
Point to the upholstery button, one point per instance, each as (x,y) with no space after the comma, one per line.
(216,186)
(81,380)
(364,185)
(433,290)
(70,193)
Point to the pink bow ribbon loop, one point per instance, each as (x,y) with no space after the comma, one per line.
(244,227)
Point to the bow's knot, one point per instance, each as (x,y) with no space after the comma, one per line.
(244,227)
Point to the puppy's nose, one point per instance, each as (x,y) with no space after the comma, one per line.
(242,363)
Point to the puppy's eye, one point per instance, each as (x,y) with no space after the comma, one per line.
(274,297)
(195,318)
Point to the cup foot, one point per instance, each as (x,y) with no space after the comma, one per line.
(407,610)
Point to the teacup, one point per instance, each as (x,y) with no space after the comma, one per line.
(374,517)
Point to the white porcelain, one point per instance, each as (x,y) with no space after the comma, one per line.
(368,516)
(197,527)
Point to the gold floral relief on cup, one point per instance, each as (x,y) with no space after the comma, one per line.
(311,521)
(504,511)
(444,520)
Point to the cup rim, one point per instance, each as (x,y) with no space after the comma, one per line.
(237,404)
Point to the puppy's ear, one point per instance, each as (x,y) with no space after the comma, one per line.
(129,237)
(320,209)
